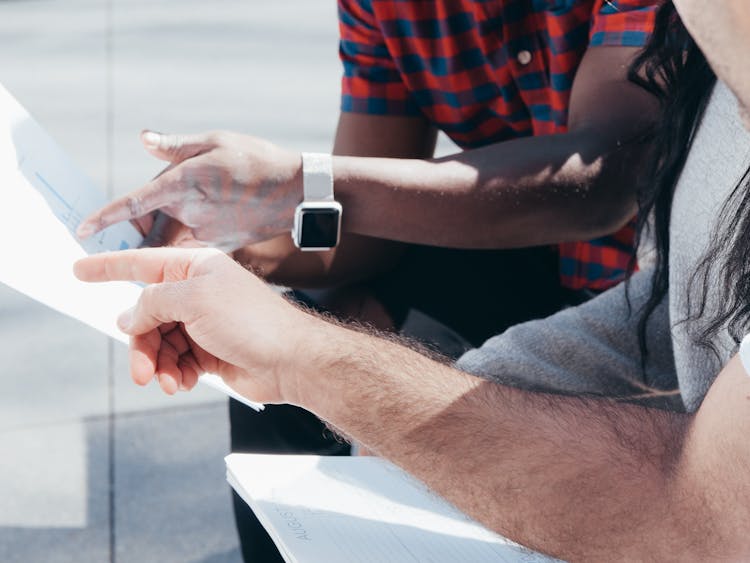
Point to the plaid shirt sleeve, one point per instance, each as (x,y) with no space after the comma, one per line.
(371,83)
(623,23)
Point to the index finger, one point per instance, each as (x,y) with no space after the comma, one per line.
(147,265)
(158,193)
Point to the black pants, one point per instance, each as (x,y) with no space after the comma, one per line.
(475,293)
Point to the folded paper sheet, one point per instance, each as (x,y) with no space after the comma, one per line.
(46,196)
(343,509)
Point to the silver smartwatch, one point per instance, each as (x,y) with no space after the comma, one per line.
(317,220)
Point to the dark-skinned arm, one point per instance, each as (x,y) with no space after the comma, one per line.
(531,191)
(232,190)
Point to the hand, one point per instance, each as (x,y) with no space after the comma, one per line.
(159,229)
(228,189)
(204,313)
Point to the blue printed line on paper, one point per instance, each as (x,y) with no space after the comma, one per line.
(51,189)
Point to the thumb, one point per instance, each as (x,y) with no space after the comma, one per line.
(176,148)
(159,304)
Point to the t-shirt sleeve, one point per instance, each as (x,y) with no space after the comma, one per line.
(622,23)
(592,349)
(371,83)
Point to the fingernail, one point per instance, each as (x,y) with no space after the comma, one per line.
(85,230)
(125,320)
(151,140)
(168,384)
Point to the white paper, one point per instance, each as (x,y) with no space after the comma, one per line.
(343,509)
(46,197)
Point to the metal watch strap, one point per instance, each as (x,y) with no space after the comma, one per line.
(317,176)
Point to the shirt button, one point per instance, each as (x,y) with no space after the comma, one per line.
(524,57)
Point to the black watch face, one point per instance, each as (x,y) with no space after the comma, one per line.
(319,228)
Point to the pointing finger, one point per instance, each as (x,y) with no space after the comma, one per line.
(159,192)
(147,265)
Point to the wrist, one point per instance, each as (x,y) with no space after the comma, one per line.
(311,370)
(292,187)
(317,219)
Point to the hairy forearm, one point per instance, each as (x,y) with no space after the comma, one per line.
(580,478)
(517,193)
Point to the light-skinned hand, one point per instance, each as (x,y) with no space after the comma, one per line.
(203,313)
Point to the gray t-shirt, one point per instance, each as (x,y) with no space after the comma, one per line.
(593,348)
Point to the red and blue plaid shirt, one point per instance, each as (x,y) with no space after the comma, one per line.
(485,71)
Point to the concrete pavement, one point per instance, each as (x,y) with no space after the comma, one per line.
(93,468)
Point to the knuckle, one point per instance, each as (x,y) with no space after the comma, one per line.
(102,221)
(148,298)
(195,182)
(215,137)
(198,291)
(109,268)
(156,303)
(172,142)
(191,179)
(181,147)
(134,205)
(178,175)
(200,257)
(181,179)
(214,252)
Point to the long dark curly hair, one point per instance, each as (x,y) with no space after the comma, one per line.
(673,68)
